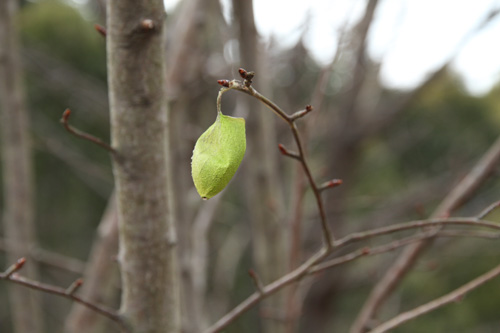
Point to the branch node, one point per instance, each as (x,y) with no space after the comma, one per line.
(288,153)
(330,184)
(100,29)
(257,281)
(74,287)
(15,267)
(147,25)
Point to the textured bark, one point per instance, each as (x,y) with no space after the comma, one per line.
(136,78)
(100,278)
(18,207)
(269,230)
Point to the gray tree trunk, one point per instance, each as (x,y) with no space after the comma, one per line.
(136,78)
(266,208)
(18,206)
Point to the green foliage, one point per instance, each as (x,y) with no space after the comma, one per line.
(61,31)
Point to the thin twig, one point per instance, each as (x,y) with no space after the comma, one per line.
(487,211)
(451,297)
(358,236)
(290,120)
(83,135)
(11,275)
(313,265)
(458,196)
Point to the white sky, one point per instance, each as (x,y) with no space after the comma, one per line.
(410,37)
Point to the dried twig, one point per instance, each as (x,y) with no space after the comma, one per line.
(458,196)
(83,135)
(11,275)
(312,265)
(290,120)
(454,296)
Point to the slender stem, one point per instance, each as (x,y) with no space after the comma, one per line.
(290,120)
(50,289)
(451,297)
(312,265)
(83,135)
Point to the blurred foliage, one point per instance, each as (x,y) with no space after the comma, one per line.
(443,133)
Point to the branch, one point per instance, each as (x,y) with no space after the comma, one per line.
(290,120)
(11,275)
(83,135)
(458,196)
(312,265)
(452,297)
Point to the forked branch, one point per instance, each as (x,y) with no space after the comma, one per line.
(10,274)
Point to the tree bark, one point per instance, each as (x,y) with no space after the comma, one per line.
(18,215)
(136,79)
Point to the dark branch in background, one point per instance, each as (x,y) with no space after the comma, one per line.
(83,135)
(10,274)
(454,296)
(458,196)
(314,265)
(49,258)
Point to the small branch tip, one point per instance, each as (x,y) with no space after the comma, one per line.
(15,267)
(256,281)
(100,29)
(330,184)
(288,153)
(83,135)
(74,286)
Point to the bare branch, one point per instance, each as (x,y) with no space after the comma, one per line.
(248,89)
(83,135)
(10,275)
(452,297)
(459,195)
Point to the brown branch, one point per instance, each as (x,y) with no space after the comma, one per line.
(458,196)
(83,135)
(451,297)
(10,275)
(312,265)
(268,290)
(290,120)
(367,251)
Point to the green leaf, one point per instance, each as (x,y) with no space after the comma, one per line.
(218,154)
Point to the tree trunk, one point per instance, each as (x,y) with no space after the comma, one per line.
(18,207)
(136,78)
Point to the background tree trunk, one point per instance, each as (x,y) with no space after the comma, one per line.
(264,199)
(18,212)
(136,76)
